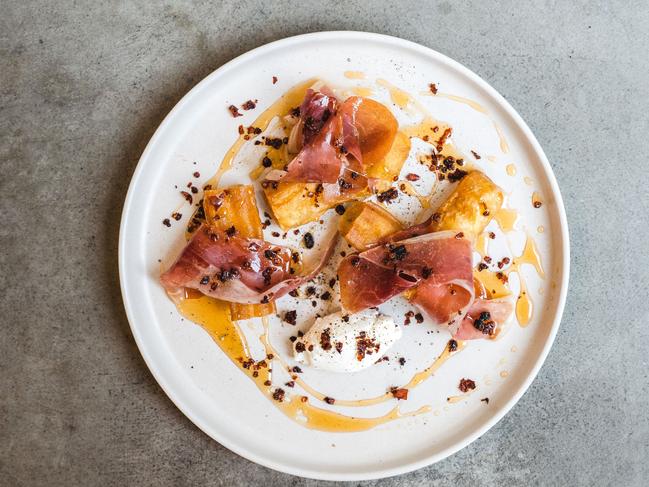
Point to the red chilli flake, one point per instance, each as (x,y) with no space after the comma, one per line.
(235,111)
(412,177)
(187,196)
(249,105)
(399,393)
(476,155)
(274,79)
(466,385)
(433,88)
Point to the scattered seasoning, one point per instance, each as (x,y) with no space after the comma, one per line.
(484,323)
(267,383)
(426,272)
(291,317)
(329,400)
(274,79)
(466,385)
(365,346)
(194,189)
(197,174)
(452,345)
(299,347)
(442,140)
(457,175)
(325,339)
(308,240)
(205,280)
(304,399)
(487,259)
(166,222)
(296,370)
(485,400)
(176,216)
(290,384)
(339,347)
(459,235)
(476,155)
(399,393)
(332,282)
(419,318)
(355,261)
(278,395)
(340,209)
(266,162)
(503,277)
(433,88)
(310,291)
(249,105)
(402,361)
(235,111)
(292,338)
(187,196)
(325,296)
(275,143)
(482,266)
(275,234)
(411,176)
(388,195)
(492,235)
(344,185)
(537,204)
(231,231)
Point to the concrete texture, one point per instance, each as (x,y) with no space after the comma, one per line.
(84,85)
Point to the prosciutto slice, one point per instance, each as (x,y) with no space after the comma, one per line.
(336,138)
(436,268)
(438,264)
(235,269)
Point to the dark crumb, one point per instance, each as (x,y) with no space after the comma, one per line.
(344,185)
(402,361)
(442,140)
(299,347)
(503,277)
(452,345)
(187,196)
(205,280)
(355,261)
(314,303)
(346,318)
(240,129)
(294,293)
(388,195)
(339,347)
(275,234)
(492,235)
(411,176)
(332,282)
(235,111)
(325,296)
(343,253)
(325,339)
(466,385)
(433,88)
(267,382)
(231,231)
(194,189)
(419,317)
(340,209)
(291,317)
(197,174)
(166,222)
(308,240)
(278,395)
(275,143)
(476,155)
(459,235)
(290,384)
(310,291)
(426,272)
(482,266)
(487,259)
(399,393)
(176,216)
(304,399)
(329,400)
(255,374)
(484,323)
(274,79)
(300,333)
(296,370)
(292,338)
(295,112)
(485,400)
(456,175)
(398,253)
(249,105)
(266,162)
(537,204)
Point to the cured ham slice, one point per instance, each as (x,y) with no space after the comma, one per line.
(435,269)
(438,264)
(235,269)
(335,138)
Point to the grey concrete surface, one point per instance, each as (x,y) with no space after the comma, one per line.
(83,85)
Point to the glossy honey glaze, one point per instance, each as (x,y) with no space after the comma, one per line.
(214,316)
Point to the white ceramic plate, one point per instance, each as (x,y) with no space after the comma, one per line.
(209,389)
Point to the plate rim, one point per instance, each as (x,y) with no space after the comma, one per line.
(406,466)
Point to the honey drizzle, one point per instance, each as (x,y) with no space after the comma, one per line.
(214,316)
(281,107)
(417,379)
(506,219)
(354,75)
